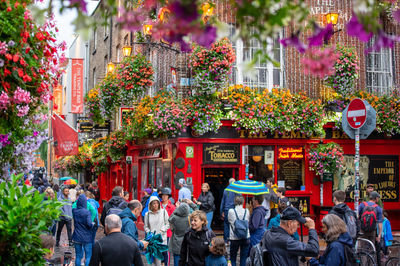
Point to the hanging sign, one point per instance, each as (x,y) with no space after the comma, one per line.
(287,153)
(77,86)
(220,153)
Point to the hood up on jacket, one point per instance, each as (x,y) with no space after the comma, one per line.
(340,209)
(345,239)
(81,203)
(127,213)
(183,210)
(153,198)
(115,201)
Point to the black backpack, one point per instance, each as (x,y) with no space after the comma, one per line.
(350,256)
(116,209)
(259,256)
(368,218)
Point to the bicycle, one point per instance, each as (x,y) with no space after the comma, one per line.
(365,252)
(393,261)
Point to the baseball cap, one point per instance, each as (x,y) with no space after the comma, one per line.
(374,195)
(370,185)
(182,181)
(166,191)
(291,213)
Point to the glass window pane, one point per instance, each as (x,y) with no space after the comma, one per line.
(152,166)
(145,184)
(159,173)
(291,167)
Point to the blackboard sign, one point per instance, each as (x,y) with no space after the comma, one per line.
(221,153)
(291,171)
(301,203)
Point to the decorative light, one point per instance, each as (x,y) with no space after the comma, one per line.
(127,51)
(332,18)
(257,158)
(147,29)
(110,67)
(208,11)
(270,167)
(163,14)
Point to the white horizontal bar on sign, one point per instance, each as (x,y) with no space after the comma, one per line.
(356,113)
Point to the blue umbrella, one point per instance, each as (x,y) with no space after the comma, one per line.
(65,178)
(248,187)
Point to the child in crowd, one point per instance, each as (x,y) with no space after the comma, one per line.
(48,243)
(387,236)
(218,250)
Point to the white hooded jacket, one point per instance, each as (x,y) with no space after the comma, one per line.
(156,221)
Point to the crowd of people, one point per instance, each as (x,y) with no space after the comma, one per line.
(262,231)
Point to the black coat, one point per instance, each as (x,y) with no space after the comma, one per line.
(114,202)
(207,202)
(195,247)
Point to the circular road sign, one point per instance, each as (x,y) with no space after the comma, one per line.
(356,113)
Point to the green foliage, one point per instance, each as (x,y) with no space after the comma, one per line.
(24,215)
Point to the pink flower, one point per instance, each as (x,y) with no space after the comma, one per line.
(22,110)
(21,96)
(4,100)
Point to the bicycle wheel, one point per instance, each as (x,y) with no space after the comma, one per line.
(365,259)
(393,261)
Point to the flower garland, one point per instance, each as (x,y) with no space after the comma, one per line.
(326,158)
(99,157)
(115,144)
(211,67)
(109,96)
(92,102)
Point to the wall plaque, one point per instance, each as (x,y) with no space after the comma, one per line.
(221,153)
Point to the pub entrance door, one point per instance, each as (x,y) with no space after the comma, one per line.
(218,179)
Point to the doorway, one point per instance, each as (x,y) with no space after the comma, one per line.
(218,179)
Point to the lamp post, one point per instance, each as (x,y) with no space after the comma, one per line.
(127,50)
(208,11)
(332,18)
(110,68)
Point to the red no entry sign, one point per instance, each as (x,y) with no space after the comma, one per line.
(356,113)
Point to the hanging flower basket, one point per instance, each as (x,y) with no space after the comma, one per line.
(325,158)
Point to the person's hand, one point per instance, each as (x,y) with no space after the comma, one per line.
(177,203)
(198,203)
(223,215)
(145,244)
(310,224)
(189,201)
(378,239)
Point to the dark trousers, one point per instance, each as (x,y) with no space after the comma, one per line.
(244,245)
(60,226)
(371,236)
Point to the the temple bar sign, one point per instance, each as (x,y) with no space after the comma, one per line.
(220,154)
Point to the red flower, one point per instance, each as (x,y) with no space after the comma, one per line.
(20,72)
(9,57)
(40,36)
(15,58)
(6,72)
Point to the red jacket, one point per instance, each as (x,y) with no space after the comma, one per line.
(170,208)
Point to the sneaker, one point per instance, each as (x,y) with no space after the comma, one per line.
(57,244)
(71,243)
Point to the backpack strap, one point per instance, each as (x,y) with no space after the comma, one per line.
(237,217)
(244,215)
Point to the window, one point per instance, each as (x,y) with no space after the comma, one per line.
(94,77)
(105,63)
(118,52)
(379,70)
(261,162)
(94,39)
(144,175)
(266,74)
(290,166)
(107,29)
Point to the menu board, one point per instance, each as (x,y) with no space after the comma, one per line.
(221,153)
(291,171)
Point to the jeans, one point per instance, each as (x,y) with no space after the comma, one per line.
(209,218)
(176,259)
(244,245)
(226,227)
(79,249)
(61,224)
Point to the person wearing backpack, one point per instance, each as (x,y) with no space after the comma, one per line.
(239,234)
(339,250)
(257,221)
(115,205)
(345,213)
(371,220)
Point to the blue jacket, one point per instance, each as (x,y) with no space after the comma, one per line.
(82,222)
(257,219)
(334,252)
(66,210)
(96,206)
(129,227)
(387,232)
(227,202)
(146,206)
(215,260)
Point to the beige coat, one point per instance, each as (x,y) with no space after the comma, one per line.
(157,221)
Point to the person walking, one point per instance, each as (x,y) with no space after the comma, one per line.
(227,203)
(66,216)
(273,197)
(238,213)
(196,242)
(337,239)
(369,189)
(129,217)
(115,248)
(156,220)
(50,195)
(115,205)
(206,203)
(282,248)
(91,199)
(257,220)
(184,192)
(82,235)
(179,225)
(166,204)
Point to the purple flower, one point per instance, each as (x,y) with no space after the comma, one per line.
(1,62)
(383,40)
(79,3)
(356,29)
(207,37)
(293,40)
(321,35)
(396,15)
(186,13)
(11,43)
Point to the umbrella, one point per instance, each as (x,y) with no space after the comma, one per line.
(65,178)
(248,187)
(71,182)
(155,248)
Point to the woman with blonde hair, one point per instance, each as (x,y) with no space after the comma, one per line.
(206,203)
(338,240)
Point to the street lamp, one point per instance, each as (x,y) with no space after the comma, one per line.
(110,67)
(147,29)
(208,11)
(127,50)
(332,18)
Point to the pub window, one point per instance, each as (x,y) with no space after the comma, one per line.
(159,173)
(261,162)
(290,167)
(166,173)
(144,176)
(152,170)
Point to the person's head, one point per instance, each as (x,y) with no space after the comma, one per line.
(333,226)
(370,188)
(231,180)
(56,187)
(257,200)
(49,192)
(94,184)
(118,191)
(291,219)
(89,195)
(280,192)
(154,204)
(239,200)
(165,194)
(339,196)
(282,206)
(205,187)
(147,191)
(113,224)
(217,246)
(48,242)
(374,196)
(385,214)
(198,219)
(65,191)
(126,195)
(136,207)
(181,182)
(79,192)
(270,181)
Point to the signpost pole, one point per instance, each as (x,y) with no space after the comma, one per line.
(357,170)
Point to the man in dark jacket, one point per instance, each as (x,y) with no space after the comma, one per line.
(283,249)
(128,217)
(83,235)
(116,248)
(257,220)
(117,201)
(227,203)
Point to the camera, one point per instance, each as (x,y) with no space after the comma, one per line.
(67,257)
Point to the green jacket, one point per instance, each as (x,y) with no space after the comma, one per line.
(380,203)
(90,207)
